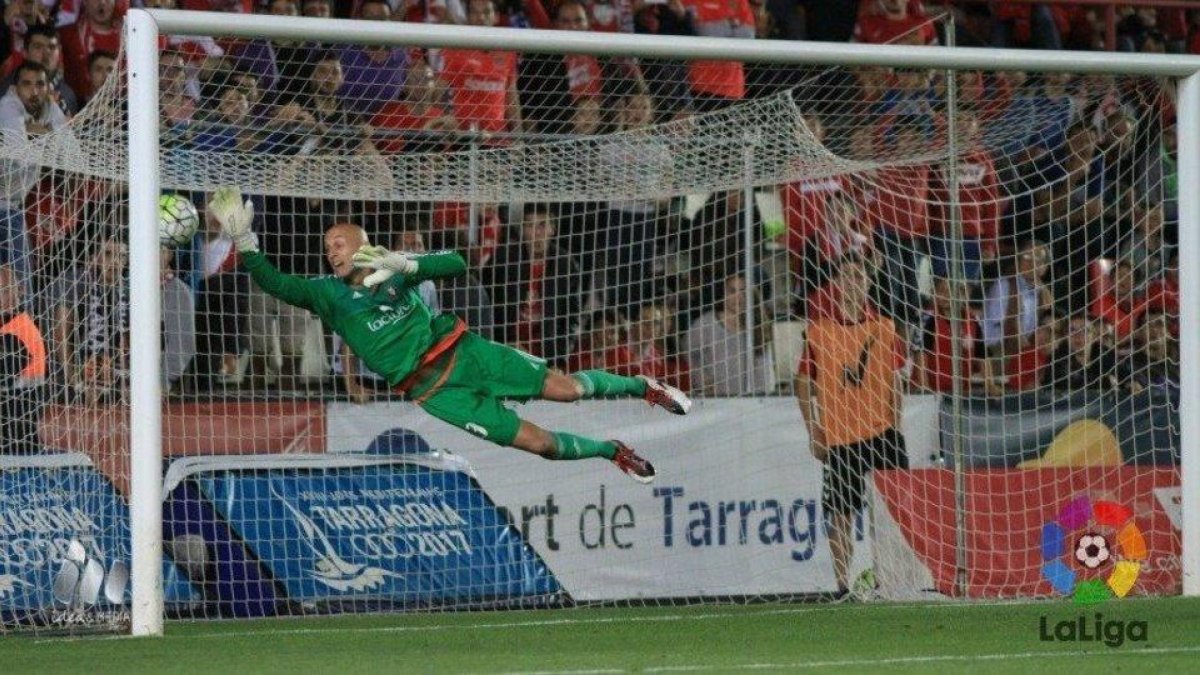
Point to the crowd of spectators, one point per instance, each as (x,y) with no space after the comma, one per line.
(1064,271)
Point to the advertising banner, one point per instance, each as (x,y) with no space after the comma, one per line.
(736,508)
(383,531)
(64,545)
(1031,532)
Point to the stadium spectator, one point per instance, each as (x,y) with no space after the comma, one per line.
(934,367)
(372,74)
(805,208)
(178,323)
(1154,366)
(419,110)
(900,219)
(1014,303)
(552,85)
(1025,369)
(19,15)
(483,84)
(666,79)
(317,9)
(26,112)
(1122,305)
(42,46)
(175,101)
(895,22)
(978,206)
(652,343)
(23,369)
(91,326)
(606,345)
(101,65)
(1081,361)
(716,346)
(1024,24)
(534,284)
(1146,249)
(849,388)
(99,27)
(1162,293)
(634,226)
(716,84)
(228,125)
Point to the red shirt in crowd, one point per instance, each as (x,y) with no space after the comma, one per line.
(878,28)
(1122,316)
(901,200)
(619,360)
(805,213)
(1025,369)
(936,367)
(583,75)
(78,41)
(978,199)
(399,116)
(726,19)
(479,82)
(674,370)
(1162,295)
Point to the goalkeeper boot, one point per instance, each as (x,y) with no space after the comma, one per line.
(665,396)
(638,468)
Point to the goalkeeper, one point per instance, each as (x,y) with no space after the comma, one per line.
(371,301)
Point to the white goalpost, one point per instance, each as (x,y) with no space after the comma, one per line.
(1003,235)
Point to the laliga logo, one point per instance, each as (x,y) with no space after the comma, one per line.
(1090,549)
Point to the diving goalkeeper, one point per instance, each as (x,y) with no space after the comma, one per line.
(371,301)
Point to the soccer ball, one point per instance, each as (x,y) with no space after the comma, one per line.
(1092,551)
(177,220)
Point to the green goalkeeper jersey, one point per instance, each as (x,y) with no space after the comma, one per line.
(389,327)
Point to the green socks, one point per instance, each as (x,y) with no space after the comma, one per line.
(600,384)
(571,446)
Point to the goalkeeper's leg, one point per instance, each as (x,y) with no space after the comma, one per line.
(587,384)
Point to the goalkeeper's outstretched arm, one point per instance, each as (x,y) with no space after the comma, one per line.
(235,217)
(415,268)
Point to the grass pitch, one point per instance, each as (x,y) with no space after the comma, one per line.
(924,638)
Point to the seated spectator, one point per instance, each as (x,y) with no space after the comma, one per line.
(226,122)
(606,346)
(19,15)
(317,9)
(98,27)
(1024,371)
(177,105)
(1155,364)
(23,369)
(552,85)
(716,345)
(336,122)
(978,206)
(1162,294)
(373,74)
(716,84)
(1122,306)
(1013,303)
(534,283)
(42,46)
(26,112)
(419,110)
(483,84)
(666,79)
(1081,360)
(895,22)
(935,359)
(91,326)
(1147,249)
(101,64)
(178,323)
(652,346)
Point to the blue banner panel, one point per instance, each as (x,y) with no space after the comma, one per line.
(389,533)
(64,548)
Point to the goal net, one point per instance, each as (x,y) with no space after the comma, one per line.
(967,281)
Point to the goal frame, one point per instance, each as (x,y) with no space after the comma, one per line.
(142,30)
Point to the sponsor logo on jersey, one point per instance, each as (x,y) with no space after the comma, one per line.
(476,429)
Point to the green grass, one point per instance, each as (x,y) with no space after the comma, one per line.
(925,638)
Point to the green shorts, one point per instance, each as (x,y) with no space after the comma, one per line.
(478,377)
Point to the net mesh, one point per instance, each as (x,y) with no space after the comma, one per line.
(748,233)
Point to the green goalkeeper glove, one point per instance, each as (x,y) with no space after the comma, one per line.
(385,263)
(235,216)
